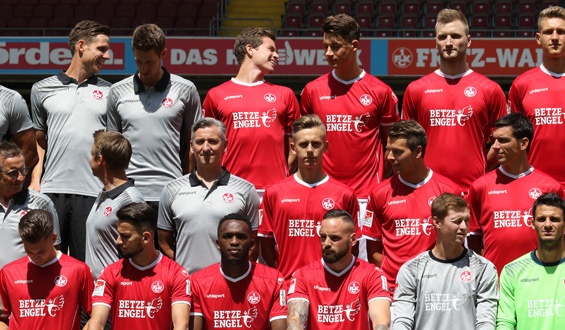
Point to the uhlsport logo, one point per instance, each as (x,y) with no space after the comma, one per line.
(97,94)
(402,57)
(167,102)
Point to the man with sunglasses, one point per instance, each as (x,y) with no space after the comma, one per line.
(15,201)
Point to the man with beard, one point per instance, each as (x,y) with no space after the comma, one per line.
(531,287)
(145,290)
(448,284)
(340,291)
(244,293)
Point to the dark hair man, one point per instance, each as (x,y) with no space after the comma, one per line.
(145,290)
(246,293)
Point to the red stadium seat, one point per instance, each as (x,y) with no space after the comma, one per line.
(297,6)
(167,10)
(43,10)
(364,21)
(208,10)
(146,11)
(386,21)
(313,33)
(17,22)
(409,21)
(388,7)
(479,34)
(503,21)
(70,2)
(121,22)
(479,21)
(125,10)
(366,7)
(319,8)
(383,33)
(315,20)
(342,7)
(527,6)
(5,13)
(460,5)
(502,34)
(430,21)
(293,20)
(411,6)
(504,6)
(291,32)
(409,34)
(188,10)
(104,10)
(526,20)
(429,34)
(38,23)
(165,22)
(434,6)
(548,3)
(63,11)
(524,34)
(481,7)
(84,11)
(23,10)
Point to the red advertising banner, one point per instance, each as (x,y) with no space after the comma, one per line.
(492,57)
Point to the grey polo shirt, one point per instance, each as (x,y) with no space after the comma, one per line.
(14,116)
(154,120)
(193,211)
(11,245)
(69,113)
(102,226)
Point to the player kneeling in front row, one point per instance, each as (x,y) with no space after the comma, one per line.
(339,291)
(448,284)
(45,289)
(145,290)
(237,293)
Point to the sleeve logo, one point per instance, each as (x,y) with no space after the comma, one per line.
(99,289)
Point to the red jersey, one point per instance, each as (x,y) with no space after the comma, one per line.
(538,94)
(141,297)
(353,112)
(399,214)
(292,211)
(251,301)
(48,296)
(257,117)
(457,113)
(338,300)
(501,209)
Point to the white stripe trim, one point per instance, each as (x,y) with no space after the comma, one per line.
(181,302)
(196,314)
(50,262)
(419,184)
(438,72)
(151,265)
(264,235)
(277,318)
(231,279)
(312,185)
(101,304)
(235,81)
(297,298)
(343,271)
(553,74)
(515,177)
(348,82)
(380,298)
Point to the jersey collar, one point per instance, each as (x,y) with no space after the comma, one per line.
(419,184)
(553,74)
(151,265)
(311,185)
(348,82)
(66,80)
(49,263)
(235,81)
(161,85)
(231,279)
(515,177)
(343,271)
(545,264)
(468,72)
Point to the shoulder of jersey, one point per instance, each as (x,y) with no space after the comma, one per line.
(266,272)
(279,87)
(124,82)
(546,177)
(386,184)
(444,180)
(178,183)
(283,183)
(320,79)
(103,83)
(210,271)
(47,82)
(526,75)
(488,177)
(420,82)
(340,185)
(181,80)
(241,181)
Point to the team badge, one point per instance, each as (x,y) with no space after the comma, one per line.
(61,281)
(534,193)
(22,213)
(366,99)
(157,287)
(354,288)
(184,273)
(254,298)
(431,200)
(99,288)
(280,280)
(465,276)
(107,211)
(97,94)
(328,204)
(270,97)
(54,305)
(402,57)
(470,91)
(228,197)
(167,102)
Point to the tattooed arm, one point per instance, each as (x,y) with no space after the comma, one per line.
(379,313)
(297,314)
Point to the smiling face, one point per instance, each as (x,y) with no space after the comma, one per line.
(234,241)
(265,56)
(94,53)
(551,37)
(452,41)
(549,225)
(11,178)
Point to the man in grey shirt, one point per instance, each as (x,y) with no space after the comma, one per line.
(15,122)
(449,284)
(153,109)
(15,201)
(111,153)
(192,206)
(66,109)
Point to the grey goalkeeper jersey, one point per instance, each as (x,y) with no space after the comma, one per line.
(69,113)
(14,115)
(446,294)
(155,120)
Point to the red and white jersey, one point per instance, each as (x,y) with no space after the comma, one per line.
(338,300)
(292,211)
(501,209)
(353,112)
(399,214)
(257,117)
(141,297)
(538,94)
(47,296)
(250,301)
(457,113)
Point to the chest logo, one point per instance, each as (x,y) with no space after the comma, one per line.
(154,306)
(328,204)
(107,211)
(470,91)
(228,197)
(402,57)
(534,193)
(61,281)
(366,99)
(354,288)
(465,276)
(54,305)
(254,297)
(22,213)
(97,94)
(167,102)
(463,115)
(361,121)
(157,287)
(268,117)
(431,200)
(270,97)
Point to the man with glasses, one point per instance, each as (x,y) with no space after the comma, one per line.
(16,200)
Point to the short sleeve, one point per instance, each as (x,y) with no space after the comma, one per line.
(192,109)
(165,220)
(4,292)
(506,313)
(475,204)
(87,287)
(19,118)
(195,296)
(278,305)
(38,113)
(208,106)
(305,103)
(180,285)
(103,293)
(408,105)
(389,110)
(405,299)
(373,220)
(265,216)
(114,120)
(252,208)
(376,284)
(297,288)
(292,111)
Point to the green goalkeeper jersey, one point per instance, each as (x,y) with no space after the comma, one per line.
(532,294)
